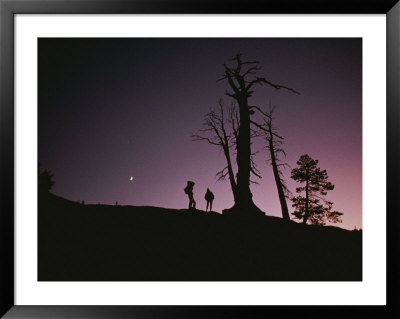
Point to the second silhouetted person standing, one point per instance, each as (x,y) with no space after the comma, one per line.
(209,197)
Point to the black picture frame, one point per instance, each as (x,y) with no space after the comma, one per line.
(9,8)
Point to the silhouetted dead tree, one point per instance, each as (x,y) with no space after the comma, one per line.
(223,132)
(274,147)
(241,79)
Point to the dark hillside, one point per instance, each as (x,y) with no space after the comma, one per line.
(126,243)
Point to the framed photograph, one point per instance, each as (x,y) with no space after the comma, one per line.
(189,160)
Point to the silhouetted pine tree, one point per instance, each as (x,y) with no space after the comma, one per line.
(313,206)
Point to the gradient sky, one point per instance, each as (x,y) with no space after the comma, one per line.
(110,109)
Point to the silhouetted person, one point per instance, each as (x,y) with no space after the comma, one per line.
(189,191)
(209,197)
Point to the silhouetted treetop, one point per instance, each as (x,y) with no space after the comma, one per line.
(236,77)
(45,180)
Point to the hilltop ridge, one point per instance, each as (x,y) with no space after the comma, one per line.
(143,243)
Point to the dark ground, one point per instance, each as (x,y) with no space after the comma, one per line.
(125,243)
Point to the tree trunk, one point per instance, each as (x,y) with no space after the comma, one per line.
(230,173)
(306,214)
(245,197)
(279,186)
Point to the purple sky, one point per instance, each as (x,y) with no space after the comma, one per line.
(110,109)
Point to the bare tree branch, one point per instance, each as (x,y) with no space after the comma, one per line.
(267,115)
(259,80)
(259,126)
(255,171)
(196,137)
(222,174)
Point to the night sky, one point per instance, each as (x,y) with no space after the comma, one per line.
(112,109)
